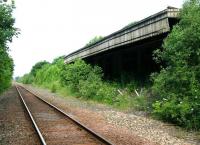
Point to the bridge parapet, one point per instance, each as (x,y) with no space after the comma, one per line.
(149,27)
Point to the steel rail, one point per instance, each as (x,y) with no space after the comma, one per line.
(32,119)
(96,135)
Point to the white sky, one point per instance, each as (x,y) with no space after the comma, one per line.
(51,28)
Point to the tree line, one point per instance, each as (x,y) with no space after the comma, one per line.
(7,31)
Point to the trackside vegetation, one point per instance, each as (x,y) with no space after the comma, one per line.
(177,87)
(7,31)
(82,80)
(174,92)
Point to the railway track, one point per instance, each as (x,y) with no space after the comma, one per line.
(53,126)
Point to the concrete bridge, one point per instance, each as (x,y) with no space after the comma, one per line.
(129,50)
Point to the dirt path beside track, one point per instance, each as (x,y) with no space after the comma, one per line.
(15,126)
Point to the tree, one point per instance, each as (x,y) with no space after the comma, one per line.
(38,66)
(58,59)
(177,86)
(7,31)
(94,40)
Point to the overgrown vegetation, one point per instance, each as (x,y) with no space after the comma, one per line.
(45,74)
(7,31)
(177,86)
(84,81)
(175,91)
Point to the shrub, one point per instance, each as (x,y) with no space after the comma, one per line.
(27,79)
(87,82)
(89,87)
(106,93)
(78,71)
(177,86)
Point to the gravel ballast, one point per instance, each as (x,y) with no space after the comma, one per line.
(119,127)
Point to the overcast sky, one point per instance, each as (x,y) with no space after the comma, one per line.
(51,28)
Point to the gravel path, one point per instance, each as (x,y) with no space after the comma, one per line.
(121,128)
(15,126)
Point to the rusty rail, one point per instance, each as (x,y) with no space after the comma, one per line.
(96,135)
(32,119)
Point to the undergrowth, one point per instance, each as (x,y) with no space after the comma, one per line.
(84,81)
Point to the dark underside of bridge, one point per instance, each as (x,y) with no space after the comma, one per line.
(133,61)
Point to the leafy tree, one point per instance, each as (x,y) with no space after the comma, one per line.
(45,74)
(7,31)
(26,79)
(58,59)
(94,40)
(38,66)
(49,73)
(177,86)
(6,70)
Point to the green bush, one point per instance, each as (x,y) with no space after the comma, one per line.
(106,93)
(38,66)
(49,75)
(45,74)
(77,72)
(89,87)
(87,82)
(26,79)
(177,87)
(82,80)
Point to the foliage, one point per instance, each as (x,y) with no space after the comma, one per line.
(94,40)
(7,31)
(58,60)
(82,79)
(38,66)
(107,93)
(46,74)
(87,82)
(177,86)
(6,70)
(26,79)
(175,90)
(49,75)
(78,71)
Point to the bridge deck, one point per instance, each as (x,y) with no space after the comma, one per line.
(151,26)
